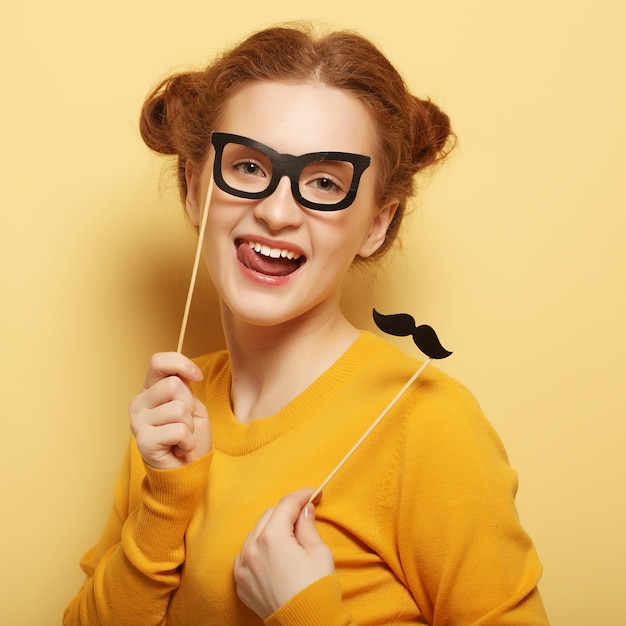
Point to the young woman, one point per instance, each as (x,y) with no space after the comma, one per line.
(313,144)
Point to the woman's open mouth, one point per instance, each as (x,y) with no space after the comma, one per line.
(263,259)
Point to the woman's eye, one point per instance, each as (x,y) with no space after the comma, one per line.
(249,168)
(326,184)
(327,179)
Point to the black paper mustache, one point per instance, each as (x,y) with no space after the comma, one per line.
(403,325)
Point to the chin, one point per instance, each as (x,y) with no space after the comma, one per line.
(273,313)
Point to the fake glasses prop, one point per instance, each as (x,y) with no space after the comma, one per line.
(322,181)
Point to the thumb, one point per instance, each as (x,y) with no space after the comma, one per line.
(305,530)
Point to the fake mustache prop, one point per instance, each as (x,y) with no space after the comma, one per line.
(425,338)
(403,324)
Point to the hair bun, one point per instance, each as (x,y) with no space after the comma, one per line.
(161,111)
(432,135)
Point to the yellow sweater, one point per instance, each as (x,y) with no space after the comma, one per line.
(421,520)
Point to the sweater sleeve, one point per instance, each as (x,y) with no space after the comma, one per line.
(466,558)
(135,566)
(317,604)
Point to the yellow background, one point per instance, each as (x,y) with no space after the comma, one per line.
(515,255)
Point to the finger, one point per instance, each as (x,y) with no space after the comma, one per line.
(174,412)
(279,519)
(293,503)
(305,531)
(259,527)
(168,389)
(165,364)
(285,514)
(155,407)
(199,412)
(166,437)
(252,537)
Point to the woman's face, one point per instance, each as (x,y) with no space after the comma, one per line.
(271,259)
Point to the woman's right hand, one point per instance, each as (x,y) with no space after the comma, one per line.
(171,426)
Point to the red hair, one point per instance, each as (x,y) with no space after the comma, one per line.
(179,115)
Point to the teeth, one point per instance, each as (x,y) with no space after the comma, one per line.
(274,253)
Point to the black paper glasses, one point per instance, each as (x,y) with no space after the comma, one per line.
(322,181)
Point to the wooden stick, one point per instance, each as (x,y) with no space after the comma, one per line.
(196,263)
(369,430)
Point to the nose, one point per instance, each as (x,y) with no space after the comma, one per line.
(280,210)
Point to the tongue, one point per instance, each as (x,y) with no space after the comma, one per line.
(263,264)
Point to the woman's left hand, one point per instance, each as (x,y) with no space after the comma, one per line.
(282,555)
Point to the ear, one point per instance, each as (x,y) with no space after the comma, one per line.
(378,228)
(192,201)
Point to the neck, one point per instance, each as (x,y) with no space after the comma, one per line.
(271,365)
